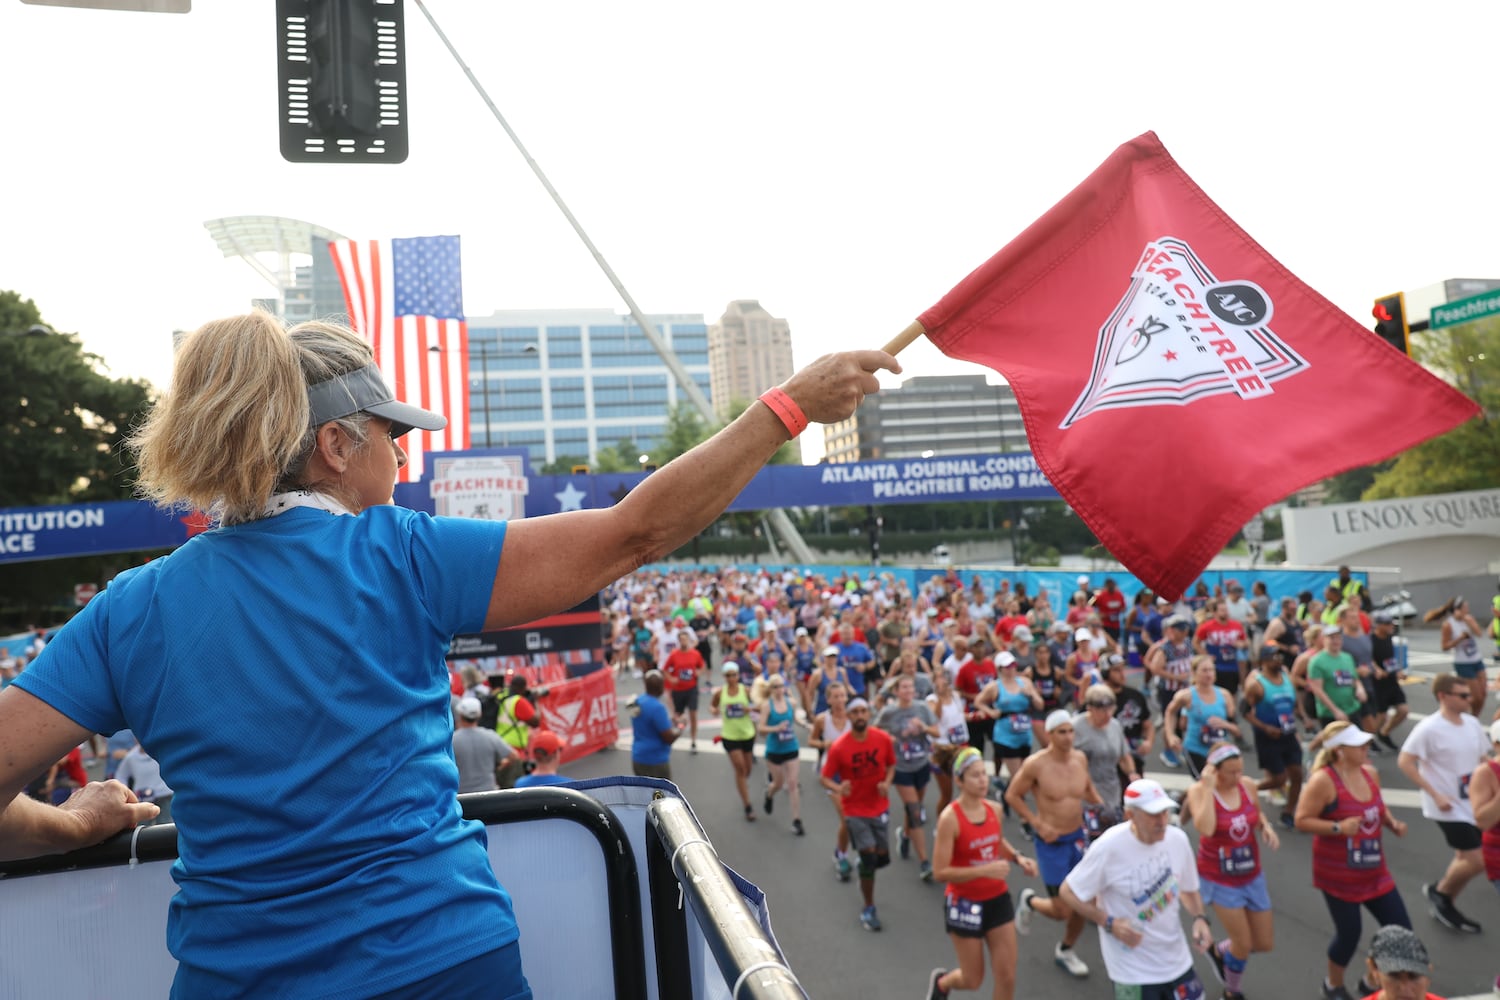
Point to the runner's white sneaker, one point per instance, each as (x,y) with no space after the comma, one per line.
(1070,963)
(1023,912)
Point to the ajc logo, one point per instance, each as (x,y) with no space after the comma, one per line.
(1179,335)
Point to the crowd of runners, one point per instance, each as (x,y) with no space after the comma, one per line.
(1047,710)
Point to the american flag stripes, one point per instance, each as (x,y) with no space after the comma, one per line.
(405,296)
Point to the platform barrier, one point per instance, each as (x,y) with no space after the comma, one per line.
(617,891)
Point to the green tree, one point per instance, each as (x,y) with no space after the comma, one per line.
(685,429)
(1467,457)
(62,418)
(623,456)
(563,465)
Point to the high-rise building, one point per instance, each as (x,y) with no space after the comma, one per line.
(567,382)
(749,351)
(941,414)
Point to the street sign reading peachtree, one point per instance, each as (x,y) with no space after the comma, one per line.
(1466,310)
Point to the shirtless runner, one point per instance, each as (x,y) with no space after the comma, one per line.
(1059,779)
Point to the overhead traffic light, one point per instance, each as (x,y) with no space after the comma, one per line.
(1390,321)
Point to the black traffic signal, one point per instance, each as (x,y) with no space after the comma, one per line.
(1390,321)
(342,76)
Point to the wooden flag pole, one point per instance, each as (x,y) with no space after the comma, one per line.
(905,338)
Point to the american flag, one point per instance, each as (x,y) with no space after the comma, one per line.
(406,297)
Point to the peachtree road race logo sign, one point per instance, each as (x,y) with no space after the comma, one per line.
(1180,334)
(486,487)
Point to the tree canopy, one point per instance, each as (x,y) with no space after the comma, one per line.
(1467,457)
(62,417)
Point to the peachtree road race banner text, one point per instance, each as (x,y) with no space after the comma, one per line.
(32,533)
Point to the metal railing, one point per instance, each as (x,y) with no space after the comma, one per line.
(683,867)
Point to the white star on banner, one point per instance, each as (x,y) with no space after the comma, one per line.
(570,498)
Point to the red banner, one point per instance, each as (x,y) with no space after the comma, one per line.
(582,711)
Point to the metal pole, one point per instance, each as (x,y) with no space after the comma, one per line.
(484,387)
(777,516)
(746,956)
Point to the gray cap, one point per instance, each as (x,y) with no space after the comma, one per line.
(1176,621)
(364,391)
(1396,949)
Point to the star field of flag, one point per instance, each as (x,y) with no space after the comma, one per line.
(428,280)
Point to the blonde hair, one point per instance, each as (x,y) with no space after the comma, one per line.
(1325,754)
(236,426)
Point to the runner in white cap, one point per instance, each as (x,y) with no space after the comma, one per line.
(1059,775)
(1131,884)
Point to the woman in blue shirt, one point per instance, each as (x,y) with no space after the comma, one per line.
(290,439)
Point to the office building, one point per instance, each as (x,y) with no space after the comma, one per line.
(749,351)
(567,382)
(941,414)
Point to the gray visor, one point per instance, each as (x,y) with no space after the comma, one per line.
(364,391)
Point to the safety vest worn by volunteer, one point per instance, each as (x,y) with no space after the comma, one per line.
(512,729)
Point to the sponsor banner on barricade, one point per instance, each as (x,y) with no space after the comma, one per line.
(582,711)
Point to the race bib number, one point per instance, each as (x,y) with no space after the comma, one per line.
(1287,721)
(958,735)
(965,914)
(1468,649)
(1093,821)
(1207,735)
(913,750)
(1045,686)
(1019,724)
(1343,678)
(1364,852)
(1463,785)
(1190,990)
(1239,860)
(736,711)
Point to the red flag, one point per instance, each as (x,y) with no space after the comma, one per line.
(1174,378)
(406,297)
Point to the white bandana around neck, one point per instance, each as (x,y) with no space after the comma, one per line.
(280,503)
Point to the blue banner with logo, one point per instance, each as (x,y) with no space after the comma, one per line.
(32,533)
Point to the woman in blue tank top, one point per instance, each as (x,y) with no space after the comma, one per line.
(1210,716)
(1009,699)
(778,723)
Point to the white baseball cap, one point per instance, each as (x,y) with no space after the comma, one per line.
(469,708)
(1148,796)
(1021,634)
(1005,660)
(1083,635)
(1349,736)
(1060,717)
(830,651)
(1083,580)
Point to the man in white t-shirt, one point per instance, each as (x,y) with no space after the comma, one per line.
(1131,883)
(1439,755)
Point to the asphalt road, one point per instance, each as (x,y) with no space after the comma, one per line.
(816,918)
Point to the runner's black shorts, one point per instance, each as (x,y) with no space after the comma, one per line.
(959,915)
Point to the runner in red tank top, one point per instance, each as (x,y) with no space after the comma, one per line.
(971,855)
(1227,816)
(1484,796)
(1342,806)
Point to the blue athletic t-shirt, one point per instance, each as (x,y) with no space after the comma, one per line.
(288,675)
(649,723)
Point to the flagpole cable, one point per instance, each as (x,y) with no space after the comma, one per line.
(905,338)
(688,386)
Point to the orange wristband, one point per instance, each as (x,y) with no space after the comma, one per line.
(786,409)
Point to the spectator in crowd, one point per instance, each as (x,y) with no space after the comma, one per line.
(546,754)
(479,753)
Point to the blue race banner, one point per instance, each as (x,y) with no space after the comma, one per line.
(492,482)
(31,533)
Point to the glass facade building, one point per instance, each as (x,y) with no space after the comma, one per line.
(568,382)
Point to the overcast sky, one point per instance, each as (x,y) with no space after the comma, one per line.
(844,163)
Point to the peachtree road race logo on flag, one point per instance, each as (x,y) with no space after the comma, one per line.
(485,487)
(1180,334)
